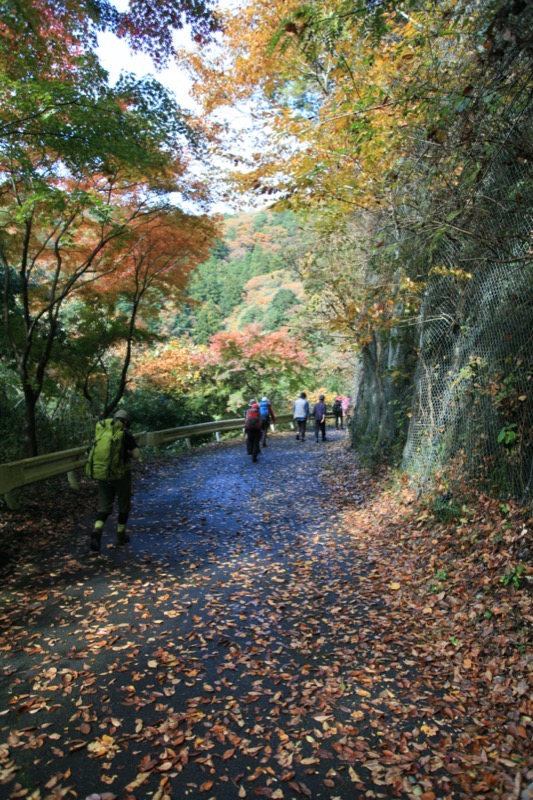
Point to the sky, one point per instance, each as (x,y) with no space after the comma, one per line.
(116,57)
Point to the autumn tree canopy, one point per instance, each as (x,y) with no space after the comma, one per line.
(86,174)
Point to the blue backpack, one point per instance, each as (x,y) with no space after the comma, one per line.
(264,409)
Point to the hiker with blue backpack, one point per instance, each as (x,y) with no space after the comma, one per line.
(109,462)
(267,416)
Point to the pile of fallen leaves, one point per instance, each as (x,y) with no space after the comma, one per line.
(463,570)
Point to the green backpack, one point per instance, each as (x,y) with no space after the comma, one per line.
(105,460)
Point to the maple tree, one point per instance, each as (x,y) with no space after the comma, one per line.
(239,365)
(174,368)
(27,28)
(151,269)
(66,207)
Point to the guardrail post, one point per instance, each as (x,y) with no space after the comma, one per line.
(188,443)
(11,501)
(152,440)
(73,480)
(217,436)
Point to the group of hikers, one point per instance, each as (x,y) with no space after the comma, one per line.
(260,415)
(114,448)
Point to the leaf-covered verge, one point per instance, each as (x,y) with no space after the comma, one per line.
(382,656)
(457,585)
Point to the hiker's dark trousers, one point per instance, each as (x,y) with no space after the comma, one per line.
(320,427)
(264,431)
(108,490)
(253,438)
(301,428)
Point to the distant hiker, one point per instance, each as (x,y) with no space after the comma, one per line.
(337,410)
(346,409)
(109,462)
(300,412)
(252,427)
(267,416)
(319,413)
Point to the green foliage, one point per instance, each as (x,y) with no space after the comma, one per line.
(445,510)
(513,576)
(441,576)
(252,246)
(207,321)
(508,435)
(276,315)
(155,411)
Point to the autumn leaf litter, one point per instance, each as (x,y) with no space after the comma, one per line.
(313,633)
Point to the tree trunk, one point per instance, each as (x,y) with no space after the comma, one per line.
(30,426)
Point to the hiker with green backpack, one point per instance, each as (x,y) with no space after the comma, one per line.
(109,462)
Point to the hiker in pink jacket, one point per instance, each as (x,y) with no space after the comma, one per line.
(346,412)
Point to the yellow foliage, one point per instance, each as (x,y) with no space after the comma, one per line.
(175,368)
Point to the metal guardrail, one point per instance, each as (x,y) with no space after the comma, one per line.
(18,474)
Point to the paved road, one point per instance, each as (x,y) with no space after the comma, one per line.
(222,654)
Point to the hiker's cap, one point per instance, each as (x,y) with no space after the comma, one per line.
(264,399)
(252,402)
(121,414)
(321,397)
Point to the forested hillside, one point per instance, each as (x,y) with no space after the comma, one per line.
(248,277)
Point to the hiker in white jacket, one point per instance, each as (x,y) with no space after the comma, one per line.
(300,413)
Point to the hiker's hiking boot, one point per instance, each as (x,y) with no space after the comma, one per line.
(122,538)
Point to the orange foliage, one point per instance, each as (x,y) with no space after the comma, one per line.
(266,350)
(159,253)
(173,369)
(337,111)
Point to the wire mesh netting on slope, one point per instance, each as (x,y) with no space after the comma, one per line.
(472,411)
